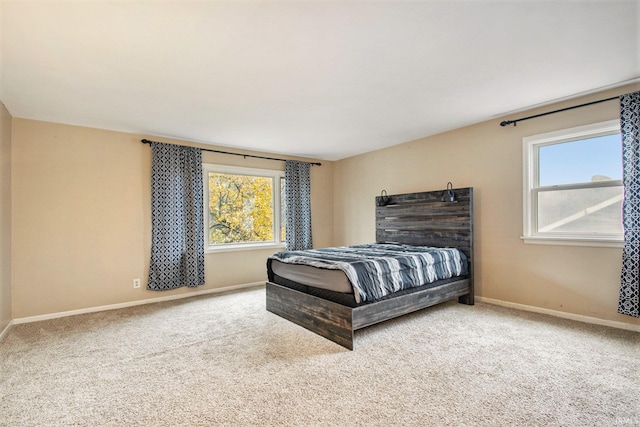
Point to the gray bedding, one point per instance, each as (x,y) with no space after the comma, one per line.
(372,271)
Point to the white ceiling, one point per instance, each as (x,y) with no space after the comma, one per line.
(322,79)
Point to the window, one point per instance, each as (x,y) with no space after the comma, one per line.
(573,186)
(244,208)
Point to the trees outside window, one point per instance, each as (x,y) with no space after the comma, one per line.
(244,206)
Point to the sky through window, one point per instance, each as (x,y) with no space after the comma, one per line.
(579,161)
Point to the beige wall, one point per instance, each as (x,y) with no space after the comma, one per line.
(5,217)
(577,280)
(81,219)
(81,229)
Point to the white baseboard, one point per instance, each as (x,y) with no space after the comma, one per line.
(130,304)
(6,330)
(562,314)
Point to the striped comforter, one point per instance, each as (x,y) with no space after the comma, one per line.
(376,270)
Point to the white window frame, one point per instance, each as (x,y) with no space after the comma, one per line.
(531,189)
(276,176)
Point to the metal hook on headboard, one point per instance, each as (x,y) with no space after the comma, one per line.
(448,195)
(383,200)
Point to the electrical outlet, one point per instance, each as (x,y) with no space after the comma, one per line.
(136,283)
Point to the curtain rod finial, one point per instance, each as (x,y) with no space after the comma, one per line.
(506,123)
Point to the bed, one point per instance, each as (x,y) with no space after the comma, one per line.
(327,304)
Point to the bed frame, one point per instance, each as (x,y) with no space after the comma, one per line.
(420,219)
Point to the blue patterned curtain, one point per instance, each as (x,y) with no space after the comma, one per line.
(629,302)
(177,211)
(298,205)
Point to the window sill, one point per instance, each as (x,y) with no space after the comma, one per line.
(244,247)
(574,241)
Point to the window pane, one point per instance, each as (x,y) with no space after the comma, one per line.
(586,160)
(240,208)
(588,211)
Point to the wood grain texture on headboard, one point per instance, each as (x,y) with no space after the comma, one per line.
(423,219)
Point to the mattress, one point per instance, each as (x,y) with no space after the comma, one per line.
(331,280)
(370,272)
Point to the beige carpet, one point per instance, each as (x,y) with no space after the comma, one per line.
(224,360)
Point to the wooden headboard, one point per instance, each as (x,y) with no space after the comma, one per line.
(423,219)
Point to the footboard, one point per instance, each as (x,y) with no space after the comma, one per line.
(326,318)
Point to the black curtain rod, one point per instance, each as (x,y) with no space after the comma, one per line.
(508,122)
(146,141)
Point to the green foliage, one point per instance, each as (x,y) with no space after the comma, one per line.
(240,208)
